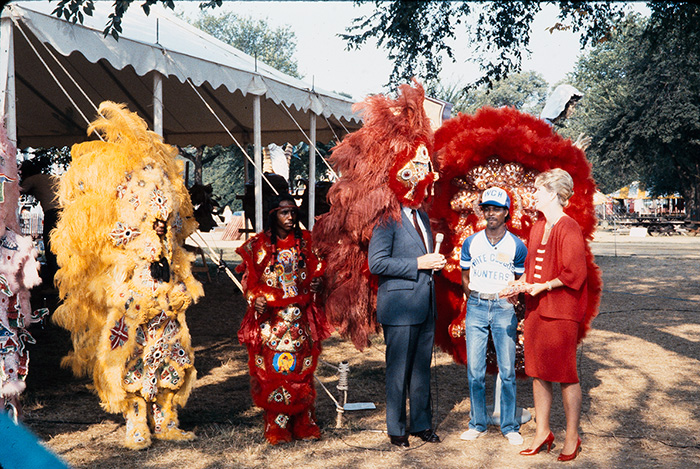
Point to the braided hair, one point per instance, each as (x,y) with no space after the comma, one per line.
(275,203)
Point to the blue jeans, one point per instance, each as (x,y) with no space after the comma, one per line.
(499,316)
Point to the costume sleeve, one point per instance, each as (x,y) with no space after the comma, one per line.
(379,255)
(572,255)
(251,277)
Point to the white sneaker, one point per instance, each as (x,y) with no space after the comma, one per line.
(514,438)
(471,434)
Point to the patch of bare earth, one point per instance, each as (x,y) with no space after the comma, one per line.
(639,369)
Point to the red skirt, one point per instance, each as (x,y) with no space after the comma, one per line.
(550,348)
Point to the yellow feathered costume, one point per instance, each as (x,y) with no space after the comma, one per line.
(128,323)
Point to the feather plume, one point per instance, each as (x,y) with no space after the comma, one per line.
(505,135)
(105,240)
(367,161)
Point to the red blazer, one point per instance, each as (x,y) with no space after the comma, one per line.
(565,259)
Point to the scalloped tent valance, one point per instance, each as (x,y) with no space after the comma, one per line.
(124,71)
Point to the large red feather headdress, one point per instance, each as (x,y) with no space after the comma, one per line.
(367,193)
(506,148)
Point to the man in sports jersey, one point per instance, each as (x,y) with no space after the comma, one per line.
(490,259)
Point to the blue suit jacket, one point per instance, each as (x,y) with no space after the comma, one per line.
(405,295)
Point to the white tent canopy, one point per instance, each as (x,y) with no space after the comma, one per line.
(155,67)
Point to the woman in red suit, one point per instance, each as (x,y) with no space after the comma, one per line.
(556,280)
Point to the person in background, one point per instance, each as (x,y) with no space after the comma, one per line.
(490,259)
(556,280)
(282,328)
(43,187)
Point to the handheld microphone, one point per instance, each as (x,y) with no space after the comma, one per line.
(438,241)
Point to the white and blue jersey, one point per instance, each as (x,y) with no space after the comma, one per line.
(490,266)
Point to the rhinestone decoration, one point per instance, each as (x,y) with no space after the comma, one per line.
(512,177)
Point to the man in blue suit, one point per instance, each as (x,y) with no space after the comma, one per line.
(401,254)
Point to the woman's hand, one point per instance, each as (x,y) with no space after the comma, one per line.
(537,288)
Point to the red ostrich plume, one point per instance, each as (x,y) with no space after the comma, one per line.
(367,193)
(505,148)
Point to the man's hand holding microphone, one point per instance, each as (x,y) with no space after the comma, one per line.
(433,260)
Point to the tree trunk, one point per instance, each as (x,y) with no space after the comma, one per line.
(198,165)
(691,197)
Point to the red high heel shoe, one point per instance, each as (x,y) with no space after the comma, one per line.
(570,456)
(548,442)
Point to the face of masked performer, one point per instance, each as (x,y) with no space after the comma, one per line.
(415,178)
(160,227)
(286,218)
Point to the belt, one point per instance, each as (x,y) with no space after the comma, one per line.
(484,296)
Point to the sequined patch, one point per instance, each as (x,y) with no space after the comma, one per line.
(170,375)
(159,203)
(260,362)
(6,243)
(308,361)
(280,395)
(135,374)
(122,234)
(158,417)
(5,286)
(283,362)
(179,355)
(119,334)
(282,420)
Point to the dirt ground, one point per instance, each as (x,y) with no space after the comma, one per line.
(639,369)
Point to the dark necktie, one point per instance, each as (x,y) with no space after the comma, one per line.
(420,232)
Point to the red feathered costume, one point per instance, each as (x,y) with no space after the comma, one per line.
(505,148)
(377,176)
(284,342)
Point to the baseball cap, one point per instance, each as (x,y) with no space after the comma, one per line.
(495,196)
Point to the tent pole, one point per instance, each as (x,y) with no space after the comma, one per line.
(158,103)
(257,155)
(7,75)
(312,170)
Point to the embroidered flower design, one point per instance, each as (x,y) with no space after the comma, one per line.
(159,203)
(122,234)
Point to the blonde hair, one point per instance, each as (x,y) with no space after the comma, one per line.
(558,181)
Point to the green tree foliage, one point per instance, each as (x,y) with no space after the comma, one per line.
(53,160)
(224,169)
(275,47)
(225,173)
(525,91)
(417,35)
(642,103)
